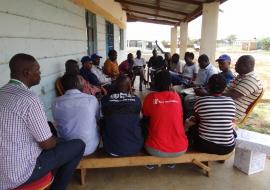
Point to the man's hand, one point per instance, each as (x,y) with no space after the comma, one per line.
(233,94)
(49,143)
(200,92)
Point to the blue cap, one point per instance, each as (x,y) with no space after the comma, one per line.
(224,57)
(86,59)
(94,56)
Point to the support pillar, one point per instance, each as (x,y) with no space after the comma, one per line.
(173,39)
(183,39)
(209,30)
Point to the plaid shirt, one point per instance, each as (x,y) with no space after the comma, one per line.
(22,125)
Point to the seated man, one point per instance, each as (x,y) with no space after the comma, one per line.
(138,69)
(28,150)
(159,61)
(246,87)
(125,67)
(167,60)
(224,62)
(153,60)
(86,72)
(205,72)
(121,132)
(214,115)
(72,67)
(76,114)
(188,71)
(166,136)
(104,79)
(111,66)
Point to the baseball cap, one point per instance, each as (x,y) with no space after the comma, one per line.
(86,59)
(94,56)
(224,57)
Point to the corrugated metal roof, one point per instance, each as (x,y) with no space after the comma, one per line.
(170,12)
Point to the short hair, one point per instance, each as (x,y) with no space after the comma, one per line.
(190,55)
(19,62)
(203,58)
(248,61)
(163,80)
(111,52)
(130,54)
(70,81)
(72,66)
(175,55)
(216,84)
(120,84)
(138,51)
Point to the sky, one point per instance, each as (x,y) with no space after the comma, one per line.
(247,19)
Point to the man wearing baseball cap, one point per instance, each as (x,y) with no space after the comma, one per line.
(224,62)
(104,79)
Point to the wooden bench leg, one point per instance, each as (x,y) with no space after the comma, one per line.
(204,166)
(83,174)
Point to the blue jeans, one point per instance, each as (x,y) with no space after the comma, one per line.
(178,79)
(64,157)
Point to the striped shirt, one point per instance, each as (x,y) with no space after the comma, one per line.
(22,125)
(250,87)
(216,114)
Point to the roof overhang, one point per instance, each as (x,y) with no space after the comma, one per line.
(169,12)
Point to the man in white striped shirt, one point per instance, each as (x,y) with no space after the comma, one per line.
(28,150)
(246,87)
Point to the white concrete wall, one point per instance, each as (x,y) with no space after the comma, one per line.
(101,38)
(101,41)
(53,31)
(122,54)
(50,30)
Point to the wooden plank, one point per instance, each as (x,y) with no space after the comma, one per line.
(156,15)
(83,175)
(206,168)
(108,162)
(151,7)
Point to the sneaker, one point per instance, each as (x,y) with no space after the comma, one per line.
(171,166)
(151,167)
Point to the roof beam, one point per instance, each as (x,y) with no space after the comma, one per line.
(197,12)
(150,14)
(189,2)
(151,7)
(156,21)
(158,6)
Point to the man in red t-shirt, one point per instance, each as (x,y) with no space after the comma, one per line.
(166,135)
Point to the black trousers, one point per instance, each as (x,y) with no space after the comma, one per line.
(201,145)
(64,157)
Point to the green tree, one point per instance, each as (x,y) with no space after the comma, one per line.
(231,38)
(265,43)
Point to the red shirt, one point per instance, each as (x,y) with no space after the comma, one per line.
(166,131)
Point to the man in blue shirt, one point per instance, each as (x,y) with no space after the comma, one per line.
(76,114)
(224,62)
(205,72)
(122,133)
(86,72)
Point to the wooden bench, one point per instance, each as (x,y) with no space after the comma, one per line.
(100,160)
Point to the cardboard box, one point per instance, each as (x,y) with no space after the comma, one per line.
(249,161)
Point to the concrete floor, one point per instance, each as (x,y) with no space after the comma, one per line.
(183,176)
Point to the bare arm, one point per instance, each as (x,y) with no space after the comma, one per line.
(233,94)
(49,143)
